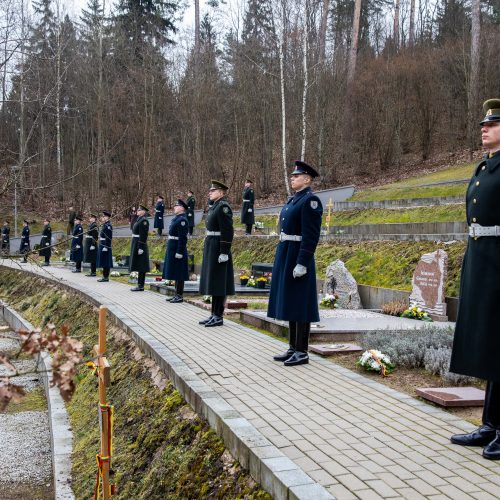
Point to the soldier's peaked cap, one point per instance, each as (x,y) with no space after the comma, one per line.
(107,213)
(491,109)
(78,217)
(301,167)
(218,185)
(27,222)
(143,207)
(92,214)
(180,203)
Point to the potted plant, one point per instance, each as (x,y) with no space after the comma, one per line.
(244,279)
(251,282)
(261,282)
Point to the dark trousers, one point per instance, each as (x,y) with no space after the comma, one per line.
(248,228)
(47,259)
(141,279)
(78,265)
(179,287)
(159,231)
(218,303)
(190,230)
(93,267)
(299,335)
(491,410)
(105,272)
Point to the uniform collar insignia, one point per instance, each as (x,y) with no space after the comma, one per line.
(493,162)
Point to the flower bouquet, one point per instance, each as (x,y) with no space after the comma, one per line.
(375,361)
(329,300)
(134,275)
(414,312)
(115,274)
(207,299)
(251,281)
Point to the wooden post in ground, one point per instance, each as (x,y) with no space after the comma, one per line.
(329,205)
(103,369)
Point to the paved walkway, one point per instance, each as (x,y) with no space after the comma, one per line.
(355,436)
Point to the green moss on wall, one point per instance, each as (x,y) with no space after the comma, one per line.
(162,449)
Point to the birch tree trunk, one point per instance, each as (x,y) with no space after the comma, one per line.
(412,23)
(353,52)
(306,82)
(60,172)
(397,7)
(474,73)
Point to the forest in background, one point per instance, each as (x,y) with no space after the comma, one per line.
(109,108)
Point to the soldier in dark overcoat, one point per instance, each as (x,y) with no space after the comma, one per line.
(176,257)
(139,252)
(217,275)
(293,295)
(76,254)
(105,251)
(90,245)
(247,213)
(190,202)
(159,211)
(24,246)
(476,344)
(45,249)
(5,238)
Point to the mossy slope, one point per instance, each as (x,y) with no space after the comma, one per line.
(162,449)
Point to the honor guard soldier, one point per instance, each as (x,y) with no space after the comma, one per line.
(6,238)
(176,257)
(477,343)
(46,243)
(159,211)
(247,213)
(190,202)
(293,296)
(217,276)
(139,252)
(24,246)
(90,243)
(76,254)
(104,251)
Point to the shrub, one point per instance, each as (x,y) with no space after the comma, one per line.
(394,308)
(437,361)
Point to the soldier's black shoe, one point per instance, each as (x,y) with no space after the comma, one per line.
(137,289)
(283,357)
(205,321)
(298,358)
(177,300)
(103,280)
(492,451)
(76,271)
(45,264)
(91,275)
(482,436)
(215,321)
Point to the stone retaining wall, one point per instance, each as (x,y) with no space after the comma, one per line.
(403,203)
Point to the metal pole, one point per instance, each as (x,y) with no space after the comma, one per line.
(14,172)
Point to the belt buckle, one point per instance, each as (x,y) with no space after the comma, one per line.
(281,237)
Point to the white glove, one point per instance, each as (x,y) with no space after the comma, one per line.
(178,256)
(299,270)
(250,209)
(78,246)
(104,249)
(223,257)
(190,215)
(47,244)
(92,247)
(140,251)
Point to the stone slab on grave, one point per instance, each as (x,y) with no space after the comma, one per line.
(329,349)
(236,304)
(428,284)
(453,396)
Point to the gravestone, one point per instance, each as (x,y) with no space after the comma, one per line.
(340,281)
(428,284)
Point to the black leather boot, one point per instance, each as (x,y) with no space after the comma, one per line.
(492,450)
(215,321)
(300,356)
(205,321)
(292,339)
(177,300)
(480,437)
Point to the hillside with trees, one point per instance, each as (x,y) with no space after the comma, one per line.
(109,108)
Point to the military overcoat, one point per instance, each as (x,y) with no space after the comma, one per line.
(24,246)
(177,269)
(296,299)
(6,238)
(104,252)
(76,254)
(477,333)
(218,278)
(45,242)
(140,262)
(90,244)
(247,213)
(159,211)
(190,202)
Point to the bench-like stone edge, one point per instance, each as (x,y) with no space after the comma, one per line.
(60,429)
(275,472)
